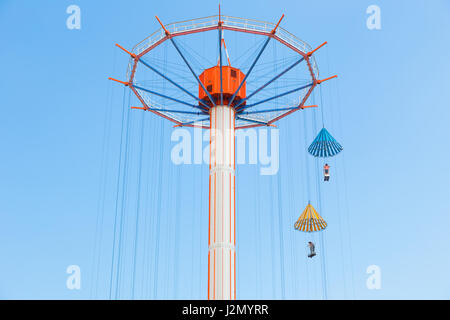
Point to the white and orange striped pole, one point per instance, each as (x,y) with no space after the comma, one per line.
(222,209)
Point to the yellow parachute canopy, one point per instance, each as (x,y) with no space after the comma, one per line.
(310,220)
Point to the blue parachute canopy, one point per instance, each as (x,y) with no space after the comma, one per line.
(324,145)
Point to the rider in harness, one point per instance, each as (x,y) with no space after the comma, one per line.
(311,248)
(326,172)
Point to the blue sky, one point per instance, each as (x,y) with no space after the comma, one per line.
(386,204)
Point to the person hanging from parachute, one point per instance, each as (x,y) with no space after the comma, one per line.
(326,172)
(312,249)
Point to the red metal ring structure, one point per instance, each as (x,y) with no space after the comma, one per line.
(220,22)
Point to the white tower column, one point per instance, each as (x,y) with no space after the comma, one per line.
(222,209)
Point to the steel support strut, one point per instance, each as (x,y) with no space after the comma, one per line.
(173,82)
(278,96)
(272,33)
(192,71)
(249,71)
(165,96)
(269,82)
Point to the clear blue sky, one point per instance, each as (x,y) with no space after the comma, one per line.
(387,203)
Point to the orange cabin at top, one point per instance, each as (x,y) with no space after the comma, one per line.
(231,78)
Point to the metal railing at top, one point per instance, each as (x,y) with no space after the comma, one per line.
(228,21)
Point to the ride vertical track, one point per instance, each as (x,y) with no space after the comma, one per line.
(222,215)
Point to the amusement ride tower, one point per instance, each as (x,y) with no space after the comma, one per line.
(222,105)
